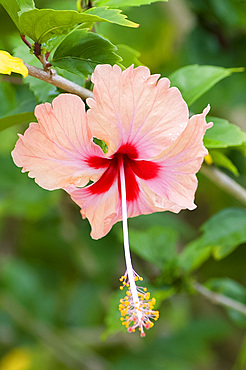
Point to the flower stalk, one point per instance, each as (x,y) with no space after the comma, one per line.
(137,307)
(129,267)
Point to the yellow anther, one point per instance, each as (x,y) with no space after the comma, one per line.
(147,296)
(208,159)
(139,313)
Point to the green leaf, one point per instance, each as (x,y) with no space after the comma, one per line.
(222,234)
(22,281)
(81,51)
(43,91)
(223,134)
(12,8)
(101,143)
(16,119)
(42,24)
(225,231)
(112,319)
(194,255)
(156,244)
(122,3)
(25,5)
(194,80)
(165,292)
(111,16)
(220,159)
(233,290)
(129,55)
(8,96)
(241,359)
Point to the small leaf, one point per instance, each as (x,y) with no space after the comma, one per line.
(241,359)
(194,255)
(12,8)
(16,119)
(225,231)
(8,96)
(194,80)
(81,51)
(42,24)
(122,3)
(223,134)
(233,290)
(130,56)
(111,16)
(101,143)
(112,319)
(25,5)
(220,159)
(156,244)
(222,234)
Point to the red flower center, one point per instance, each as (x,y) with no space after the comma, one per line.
(133,167)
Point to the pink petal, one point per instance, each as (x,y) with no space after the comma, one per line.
(102,210)
(166,183)
(132,107)
(101,201)
(55,150)
(177,182)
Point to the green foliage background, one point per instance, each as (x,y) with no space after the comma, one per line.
(58,287)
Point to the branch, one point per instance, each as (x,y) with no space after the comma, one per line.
(220,299)
(225,182)
(53,78)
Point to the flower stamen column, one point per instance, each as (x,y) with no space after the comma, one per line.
(137,307)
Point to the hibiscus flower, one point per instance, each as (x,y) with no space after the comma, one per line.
(152,151)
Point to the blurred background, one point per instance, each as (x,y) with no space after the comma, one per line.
(58,287)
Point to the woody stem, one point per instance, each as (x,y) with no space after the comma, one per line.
(53,78)
(125,234)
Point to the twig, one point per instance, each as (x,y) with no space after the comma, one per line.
(225,182)
(53,78)
(23,38)
(220,299)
